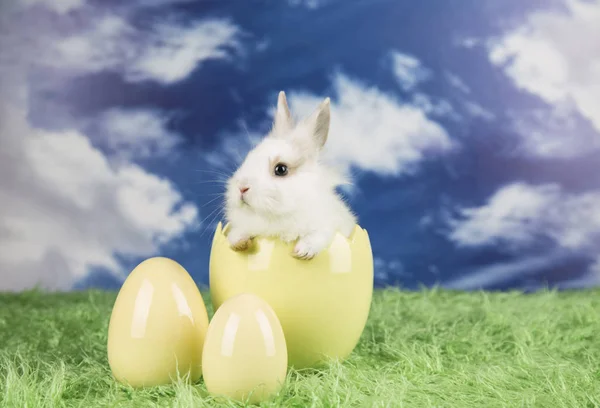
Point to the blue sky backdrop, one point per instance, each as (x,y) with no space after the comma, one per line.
(471,129)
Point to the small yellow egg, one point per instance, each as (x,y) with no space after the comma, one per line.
(245,355)
(157,326)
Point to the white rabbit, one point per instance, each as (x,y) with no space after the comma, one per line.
(283,190)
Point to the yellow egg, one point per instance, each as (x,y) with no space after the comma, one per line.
(157,327)
(245,355)
(322,304)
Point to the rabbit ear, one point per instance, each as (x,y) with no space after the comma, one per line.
(318,123)
(283,122)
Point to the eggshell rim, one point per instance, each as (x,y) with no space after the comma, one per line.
(221,232)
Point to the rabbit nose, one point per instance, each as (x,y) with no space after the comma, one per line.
(244,189)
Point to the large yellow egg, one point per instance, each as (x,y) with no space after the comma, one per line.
(245,355)
(157,327)
(322,304)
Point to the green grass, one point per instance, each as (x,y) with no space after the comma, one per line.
(424,349)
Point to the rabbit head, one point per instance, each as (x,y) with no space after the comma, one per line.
(283,171)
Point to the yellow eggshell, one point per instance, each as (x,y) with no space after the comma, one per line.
(322,304)
(245,355)
(157,327)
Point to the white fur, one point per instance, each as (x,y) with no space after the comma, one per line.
(303,205)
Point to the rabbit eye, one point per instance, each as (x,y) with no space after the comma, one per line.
(280,170)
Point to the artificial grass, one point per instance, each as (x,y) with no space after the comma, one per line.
(420,349)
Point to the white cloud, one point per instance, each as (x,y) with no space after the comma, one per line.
(176,51)
(385,269)
(374,131)
(556,56)
(65,6)
(167,53)
(434,106)
(309,4)
(553,133)
(519,216)
(485,277)
(159,3)
(58,6)
(467,42)
(478,111)
(133,133)
(495,274)
(380,269)
(534,64)
(458,83)
(512,215)
(65,208)
(107,44)
(408,70)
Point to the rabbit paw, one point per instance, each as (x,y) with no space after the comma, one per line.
(239,241)
(304,251)
(309,246)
